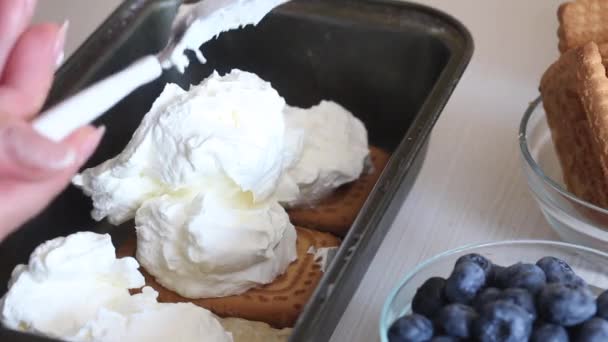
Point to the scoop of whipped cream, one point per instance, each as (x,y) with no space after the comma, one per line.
(209,18)
(200,176)
(231,125)
(334,151)
(249,331)
(65,283)
(74,288)
(143,319)
(214,244)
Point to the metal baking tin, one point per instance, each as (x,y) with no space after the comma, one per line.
(393,64)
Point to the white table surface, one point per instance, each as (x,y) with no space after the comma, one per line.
(471,188)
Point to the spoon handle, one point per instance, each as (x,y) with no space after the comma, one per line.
(84,107)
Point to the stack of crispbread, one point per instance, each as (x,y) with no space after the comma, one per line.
(575,95)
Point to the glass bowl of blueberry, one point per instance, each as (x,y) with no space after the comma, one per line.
(505,291)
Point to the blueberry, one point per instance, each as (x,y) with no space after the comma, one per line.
(497,276)
(520,297)
(554,268)
(527,276)
(602,305)
(411,328)
(456,320)
(550,333)
(566,304)
(503,321)
(429,297)
(445,339)
(481,261)
(594,330)
(574,279)
(464,282)
(558,271)
(485,296)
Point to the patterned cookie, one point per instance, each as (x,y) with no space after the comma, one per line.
(582,21)
(337,212)
(279,303)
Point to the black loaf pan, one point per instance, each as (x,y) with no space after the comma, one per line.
(393,64)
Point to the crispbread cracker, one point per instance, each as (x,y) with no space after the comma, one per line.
(582,171)
(279,303)
(337,212)
(593,89)
(582,21)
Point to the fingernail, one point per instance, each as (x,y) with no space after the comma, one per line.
(59,60)
(59,49)
(68,160)
(92,141)
(31,151)
(28,6)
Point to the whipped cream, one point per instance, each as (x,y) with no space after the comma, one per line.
(74,288)
(214,244)
(230,125)
(65,283)
(334,151)
(209,18)
(143,319)
(200,176)
(322,256)
(249,331)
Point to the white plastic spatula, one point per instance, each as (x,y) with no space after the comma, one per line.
(83,108)
(194,25)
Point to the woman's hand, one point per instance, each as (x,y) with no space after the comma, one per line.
(33,170)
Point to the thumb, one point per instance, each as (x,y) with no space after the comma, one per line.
(26,155)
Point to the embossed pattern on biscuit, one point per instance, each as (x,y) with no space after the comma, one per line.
(570,131)
(279,303)
(337,212)
(582,21)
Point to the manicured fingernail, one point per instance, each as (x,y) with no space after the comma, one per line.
(68,160)
(60,43)
(28,6)
(92,141)
(28,150)
(59,60)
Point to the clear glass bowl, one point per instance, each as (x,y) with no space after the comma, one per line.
(574,219)
(590,264)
